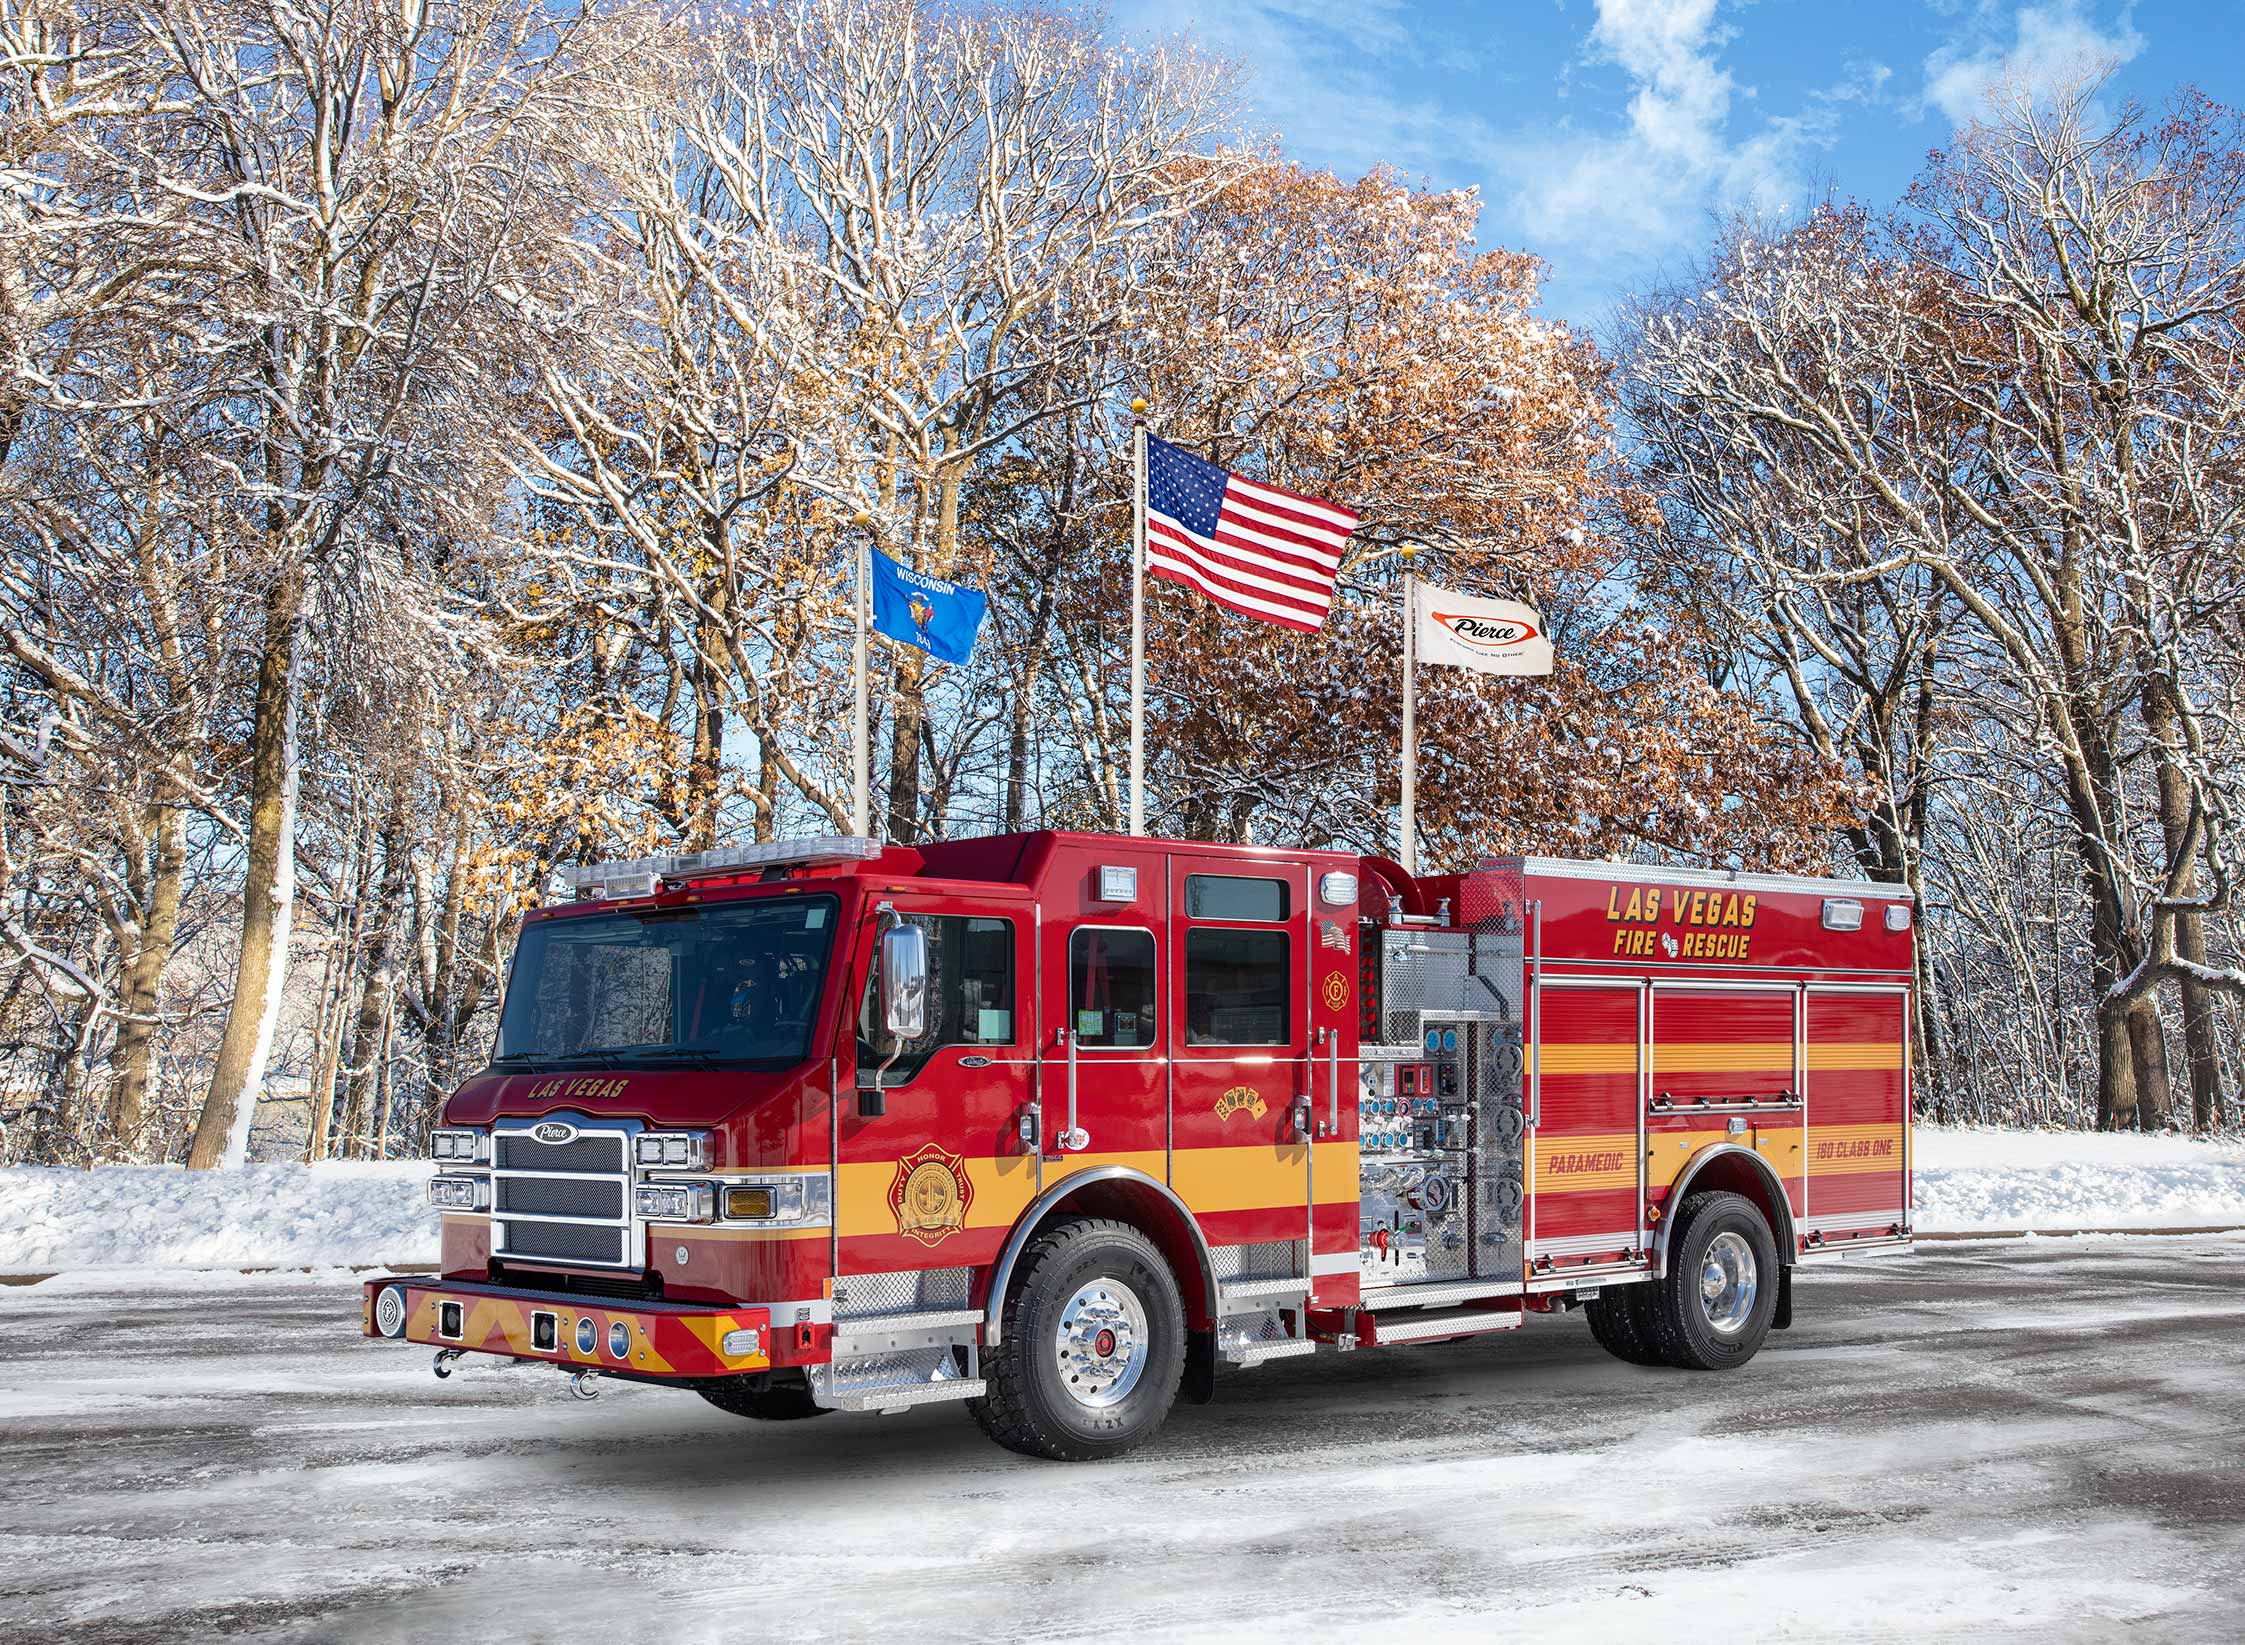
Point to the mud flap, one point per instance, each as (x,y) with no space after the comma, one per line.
(1783,1319)
(1199,1386)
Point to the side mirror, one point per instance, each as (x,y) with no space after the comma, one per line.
(904,982)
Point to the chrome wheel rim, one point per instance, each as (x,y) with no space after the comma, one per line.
(1100,1345)
(1728,1283)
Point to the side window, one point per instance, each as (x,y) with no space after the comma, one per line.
(970,995)
(1238,985)
(1230,897)
(1111,986)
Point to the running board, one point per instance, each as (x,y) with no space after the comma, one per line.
(1460,1322)
(1436,1296)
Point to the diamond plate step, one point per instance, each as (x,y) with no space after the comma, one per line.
(1255,1353)
(904,1396)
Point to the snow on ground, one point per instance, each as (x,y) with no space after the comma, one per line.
(141,1216)
(2016,1441)
(1988,1180)
(329,1215)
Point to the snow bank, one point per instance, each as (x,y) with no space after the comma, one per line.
(1987,1180)
(139,1216)
(290,1216)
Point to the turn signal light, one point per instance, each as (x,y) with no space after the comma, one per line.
(741,1344)
(758,1203)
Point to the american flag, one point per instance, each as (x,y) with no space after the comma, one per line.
(1251,547)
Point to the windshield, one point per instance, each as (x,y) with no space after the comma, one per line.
(733,983)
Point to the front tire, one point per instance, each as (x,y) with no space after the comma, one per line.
(1714,1308)
(1094,1346)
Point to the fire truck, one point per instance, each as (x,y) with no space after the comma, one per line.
(1067,1125)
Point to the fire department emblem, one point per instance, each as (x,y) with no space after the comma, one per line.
(930,1195)
(1241,1099)
(1336,990)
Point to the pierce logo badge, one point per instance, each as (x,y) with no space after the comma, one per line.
(554,1131)
(930,1195)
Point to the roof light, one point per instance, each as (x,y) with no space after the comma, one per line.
(638,876)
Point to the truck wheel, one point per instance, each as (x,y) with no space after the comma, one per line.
(1093,1348)
(1617,1320)
(774,1402)
(1714,1308)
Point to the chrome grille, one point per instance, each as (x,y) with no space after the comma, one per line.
(588,1152)
(601,1197)
(566,1242)
(567,1201)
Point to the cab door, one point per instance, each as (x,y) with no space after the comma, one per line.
(1239,1045)
(929,1164)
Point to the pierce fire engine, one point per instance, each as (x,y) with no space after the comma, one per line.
(1062,1125)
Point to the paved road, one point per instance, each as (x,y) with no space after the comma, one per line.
(2009,1440)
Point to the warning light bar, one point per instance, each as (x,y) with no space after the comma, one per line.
(639,876)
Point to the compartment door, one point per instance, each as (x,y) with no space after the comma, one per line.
(1856,1044)
(1725,1070)
(1586,1185)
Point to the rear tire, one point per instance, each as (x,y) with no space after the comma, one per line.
(1714,1308)
(774,1402)
(1617,1320)
(1093,1350)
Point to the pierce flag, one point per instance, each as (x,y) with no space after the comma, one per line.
(1493,636)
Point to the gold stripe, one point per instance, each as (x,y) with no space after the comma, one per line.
(1839,1056)
(1855,1150)
(1586,1164)
(1722,1057)
(1208,1180)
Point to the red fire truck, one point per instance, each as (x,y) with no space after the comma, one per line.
(1064,1124)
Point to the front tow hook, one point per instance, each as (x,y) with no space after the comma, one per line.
(442,1364)
(585,1385)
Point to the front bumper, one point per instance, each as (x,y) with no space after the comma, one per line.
(659,1339)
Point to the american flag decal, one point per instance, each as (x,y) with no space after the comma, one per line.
(1331,934)
(1250,547)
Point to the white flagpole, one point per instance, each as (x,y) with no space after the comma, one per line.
(1410,712)
(1138,617)
(861,801)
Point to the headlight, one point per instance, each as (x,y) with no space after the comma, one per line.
(460,1193)
(459,1147)
(676,1202)
(673,1150)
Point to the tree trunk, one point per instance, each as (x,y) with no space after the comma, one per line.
(135,1052)
(375,994)
(268,888)
(2201,1044)
(2147,1043)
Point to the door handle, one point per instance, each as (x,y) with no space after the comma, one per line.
(1075,1139)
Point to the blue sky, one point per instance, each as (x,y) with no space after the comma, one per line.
(1605,135)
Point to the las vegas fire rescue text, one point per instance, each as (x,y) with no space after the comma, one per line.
(1067,1125)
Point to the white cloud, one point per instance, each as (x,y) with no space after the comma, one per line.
(1619,195)
(2049,45)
